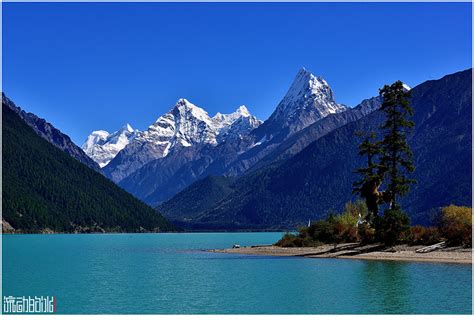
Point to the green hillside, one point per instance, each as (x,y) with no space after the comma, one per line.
(44,189)
(318,180)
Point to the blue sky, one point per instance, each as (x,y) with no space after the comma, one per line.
(89,66)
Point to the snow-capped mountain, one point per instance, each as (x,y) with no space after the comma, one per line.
(185,143)
(238,142)
(228,119)
(102,147)
(188,125)
(310,93)
(308,100)
(185,125)
(236,125)
(319,177)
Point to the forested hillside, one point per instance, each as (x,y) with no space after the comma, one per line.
(44,190)
(319,179)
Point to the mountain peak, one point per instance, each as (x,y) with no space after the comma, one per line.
(303,71)
(308,93)
(227,119)
(99,133)
(243,111)
(182,101)
(185,108)
(307,84)
(103,146)
(127,127)
(308,100)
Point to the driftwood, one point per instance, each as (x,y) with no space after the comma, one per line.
(348,249)
(434,247)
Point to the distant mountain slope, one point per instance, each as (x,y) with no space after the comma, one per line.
(308,100)
(185,128)
(44,189)
(186,141)
(319,178)
(102,146)
(47,131)
(307,112)
(301,139)
(192,201)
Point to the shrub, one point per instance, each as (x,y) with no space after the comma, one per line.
(366,233)
(294,241)
(288,240)
(336,228)
(345,229)
(303,232)
(391,227)
(419,235)
(322,231)
(456,225)
(345,225)
(356,208)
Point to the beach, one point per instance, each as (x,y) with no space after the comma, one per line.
(354,251)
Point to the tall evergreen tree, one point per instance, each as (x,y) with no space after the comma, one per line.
(372,175)
(396,159)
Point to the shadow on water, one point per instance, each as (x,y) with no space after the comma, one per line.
(387,285)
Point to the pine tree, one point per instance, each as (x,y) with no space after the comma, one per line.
(396,160)
(372,175)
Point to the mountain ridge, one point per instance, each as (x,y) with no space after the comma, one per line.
(102,146)
(45,190)
(53,135)
(318,179)
(309,100)
(184,125)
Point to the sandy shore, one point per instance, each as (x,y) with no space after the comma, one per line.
(354,251)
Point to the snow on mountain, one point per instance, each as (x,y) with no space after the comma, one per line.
(185,125)
(102,147)
(236,125)
(308,99)
(227,119)
(188,125)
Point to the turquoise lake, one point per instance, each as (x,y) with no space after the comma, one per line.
(172,274)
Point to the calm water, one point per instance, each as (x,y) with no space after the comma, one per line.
(169,273)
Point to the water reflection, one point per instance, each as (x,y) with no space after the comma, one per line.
(386,284)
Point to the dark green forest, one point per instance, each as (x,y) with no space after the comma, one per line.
(44,189)
(318,180)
